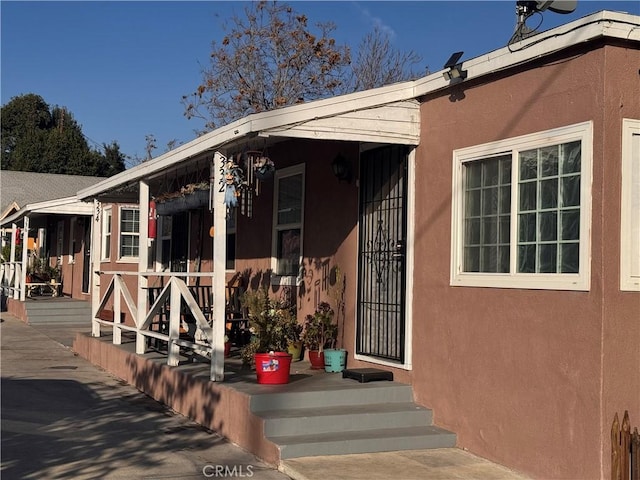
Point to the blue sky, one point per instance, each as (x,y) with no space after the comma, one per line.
(122,67)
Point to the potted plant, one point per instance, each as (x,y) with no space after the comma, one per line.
(273,326)
(319,333)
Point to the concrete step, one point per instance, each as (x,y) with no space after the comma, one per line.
(344,393)
(58,311)
(367,441)
(347,418)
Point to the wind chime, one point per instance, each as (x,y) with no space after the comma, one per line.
(241,175)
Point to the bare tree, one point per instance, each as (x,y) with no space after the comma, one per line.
(150,146)
(269,59)
(379,63)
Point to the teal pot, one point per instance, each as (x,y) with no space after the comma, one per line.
(335,360)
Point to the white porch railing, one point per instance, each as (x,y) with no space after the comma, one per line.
(175,292)
(11,279)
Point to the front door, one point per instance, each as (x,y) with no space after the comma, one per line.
(86,260)
(382,244)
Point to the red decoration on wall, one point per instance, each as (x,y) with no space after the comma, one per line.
(153,223)
(18,236)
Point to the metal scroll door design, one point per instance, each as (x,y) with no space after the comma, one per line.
(383,227)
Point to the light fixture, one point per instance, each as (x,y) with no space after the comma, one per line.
(341,168)
(455,71)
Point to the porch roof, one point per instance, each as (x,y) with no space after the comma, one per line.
(387,114)
(59,206)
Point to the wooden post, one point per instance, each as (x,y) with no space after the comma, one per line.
(117,309)
(625,445)
(25,259)
(174,325)
(96,255)
(143,260)
(12,259)
(635,455)
(219,276)
(615,448)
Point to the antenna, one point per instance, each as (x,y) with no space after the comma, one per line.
(526,8)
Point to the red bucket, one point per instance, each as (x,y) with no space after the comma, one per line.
(273,368)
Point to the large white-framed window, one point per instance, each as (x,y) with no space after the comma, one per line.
(521,211)
(630,207)
(105,249)
(288,216)
(129,234)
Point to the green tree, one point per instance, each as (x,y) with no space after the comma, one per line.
(37,138)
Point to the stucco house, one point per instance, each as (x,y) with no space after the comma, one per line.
(487,229)
(41,211)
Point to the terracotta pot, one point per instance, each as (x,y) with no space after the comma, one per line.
(227,349)
(317,359)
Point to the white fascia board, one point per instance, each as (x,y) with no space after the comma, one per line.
(605,23)
(254,124)
(59,206)
(591,27)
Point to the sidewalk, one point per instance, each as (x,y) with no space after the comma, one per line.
(125,434)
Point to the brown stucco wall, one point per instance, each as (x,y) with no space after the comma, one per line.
(523,376)
(330,229)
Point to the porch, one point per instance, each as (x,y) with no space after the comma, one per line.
(316,413)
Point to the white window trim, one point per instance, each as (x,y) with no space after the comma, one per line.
(546,281)
(106,213)
(283,173)
(628,250)
(120,258)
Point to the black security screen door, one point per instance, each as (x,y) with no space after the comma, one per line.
(382,245)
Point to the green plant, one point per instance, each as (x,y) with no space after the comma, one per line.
(6,253)
(43,271)
(273,325)
(319,330)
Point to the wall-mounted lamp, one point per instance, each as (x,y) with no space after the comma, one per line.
(341,168)
(455,71)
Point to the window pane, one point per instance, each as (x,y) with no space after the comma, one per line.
(472,231)
(528,196)
(490,173)
(570,225)
(487,193)
(548,226)
(490,201)
(472,259)
(526,259)
(290,200)
(570,261)
(288,252)
(548,254)
(527,227)
(549,193)
(473,203)
(549,161)
(571,191)
(473,174)
(528,165)
(571,154)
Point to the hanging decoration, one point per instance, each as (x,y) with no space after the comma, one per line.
(231,181)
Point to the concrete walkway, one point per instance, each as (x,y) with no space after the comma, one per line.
(64,418)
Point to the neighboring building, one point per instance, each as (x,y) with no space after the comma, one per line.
(488,237)
(43,211)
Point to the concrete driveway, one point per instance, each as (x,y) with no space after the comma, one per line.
(63,418)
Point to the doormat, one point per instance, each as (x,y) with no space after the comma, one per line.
(364,375)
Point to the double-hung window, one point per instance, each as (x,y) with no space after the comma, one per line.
(521,211)
(129,232)
(288,218)
(630,207)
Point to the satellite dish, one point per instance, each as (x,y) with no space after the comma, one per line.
(557,6)
(526,8)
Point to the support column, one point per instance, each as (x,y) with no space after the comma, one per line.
(174,326)
(96,255)
(12,266)
(25,259)
(219,277)
(143,260)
